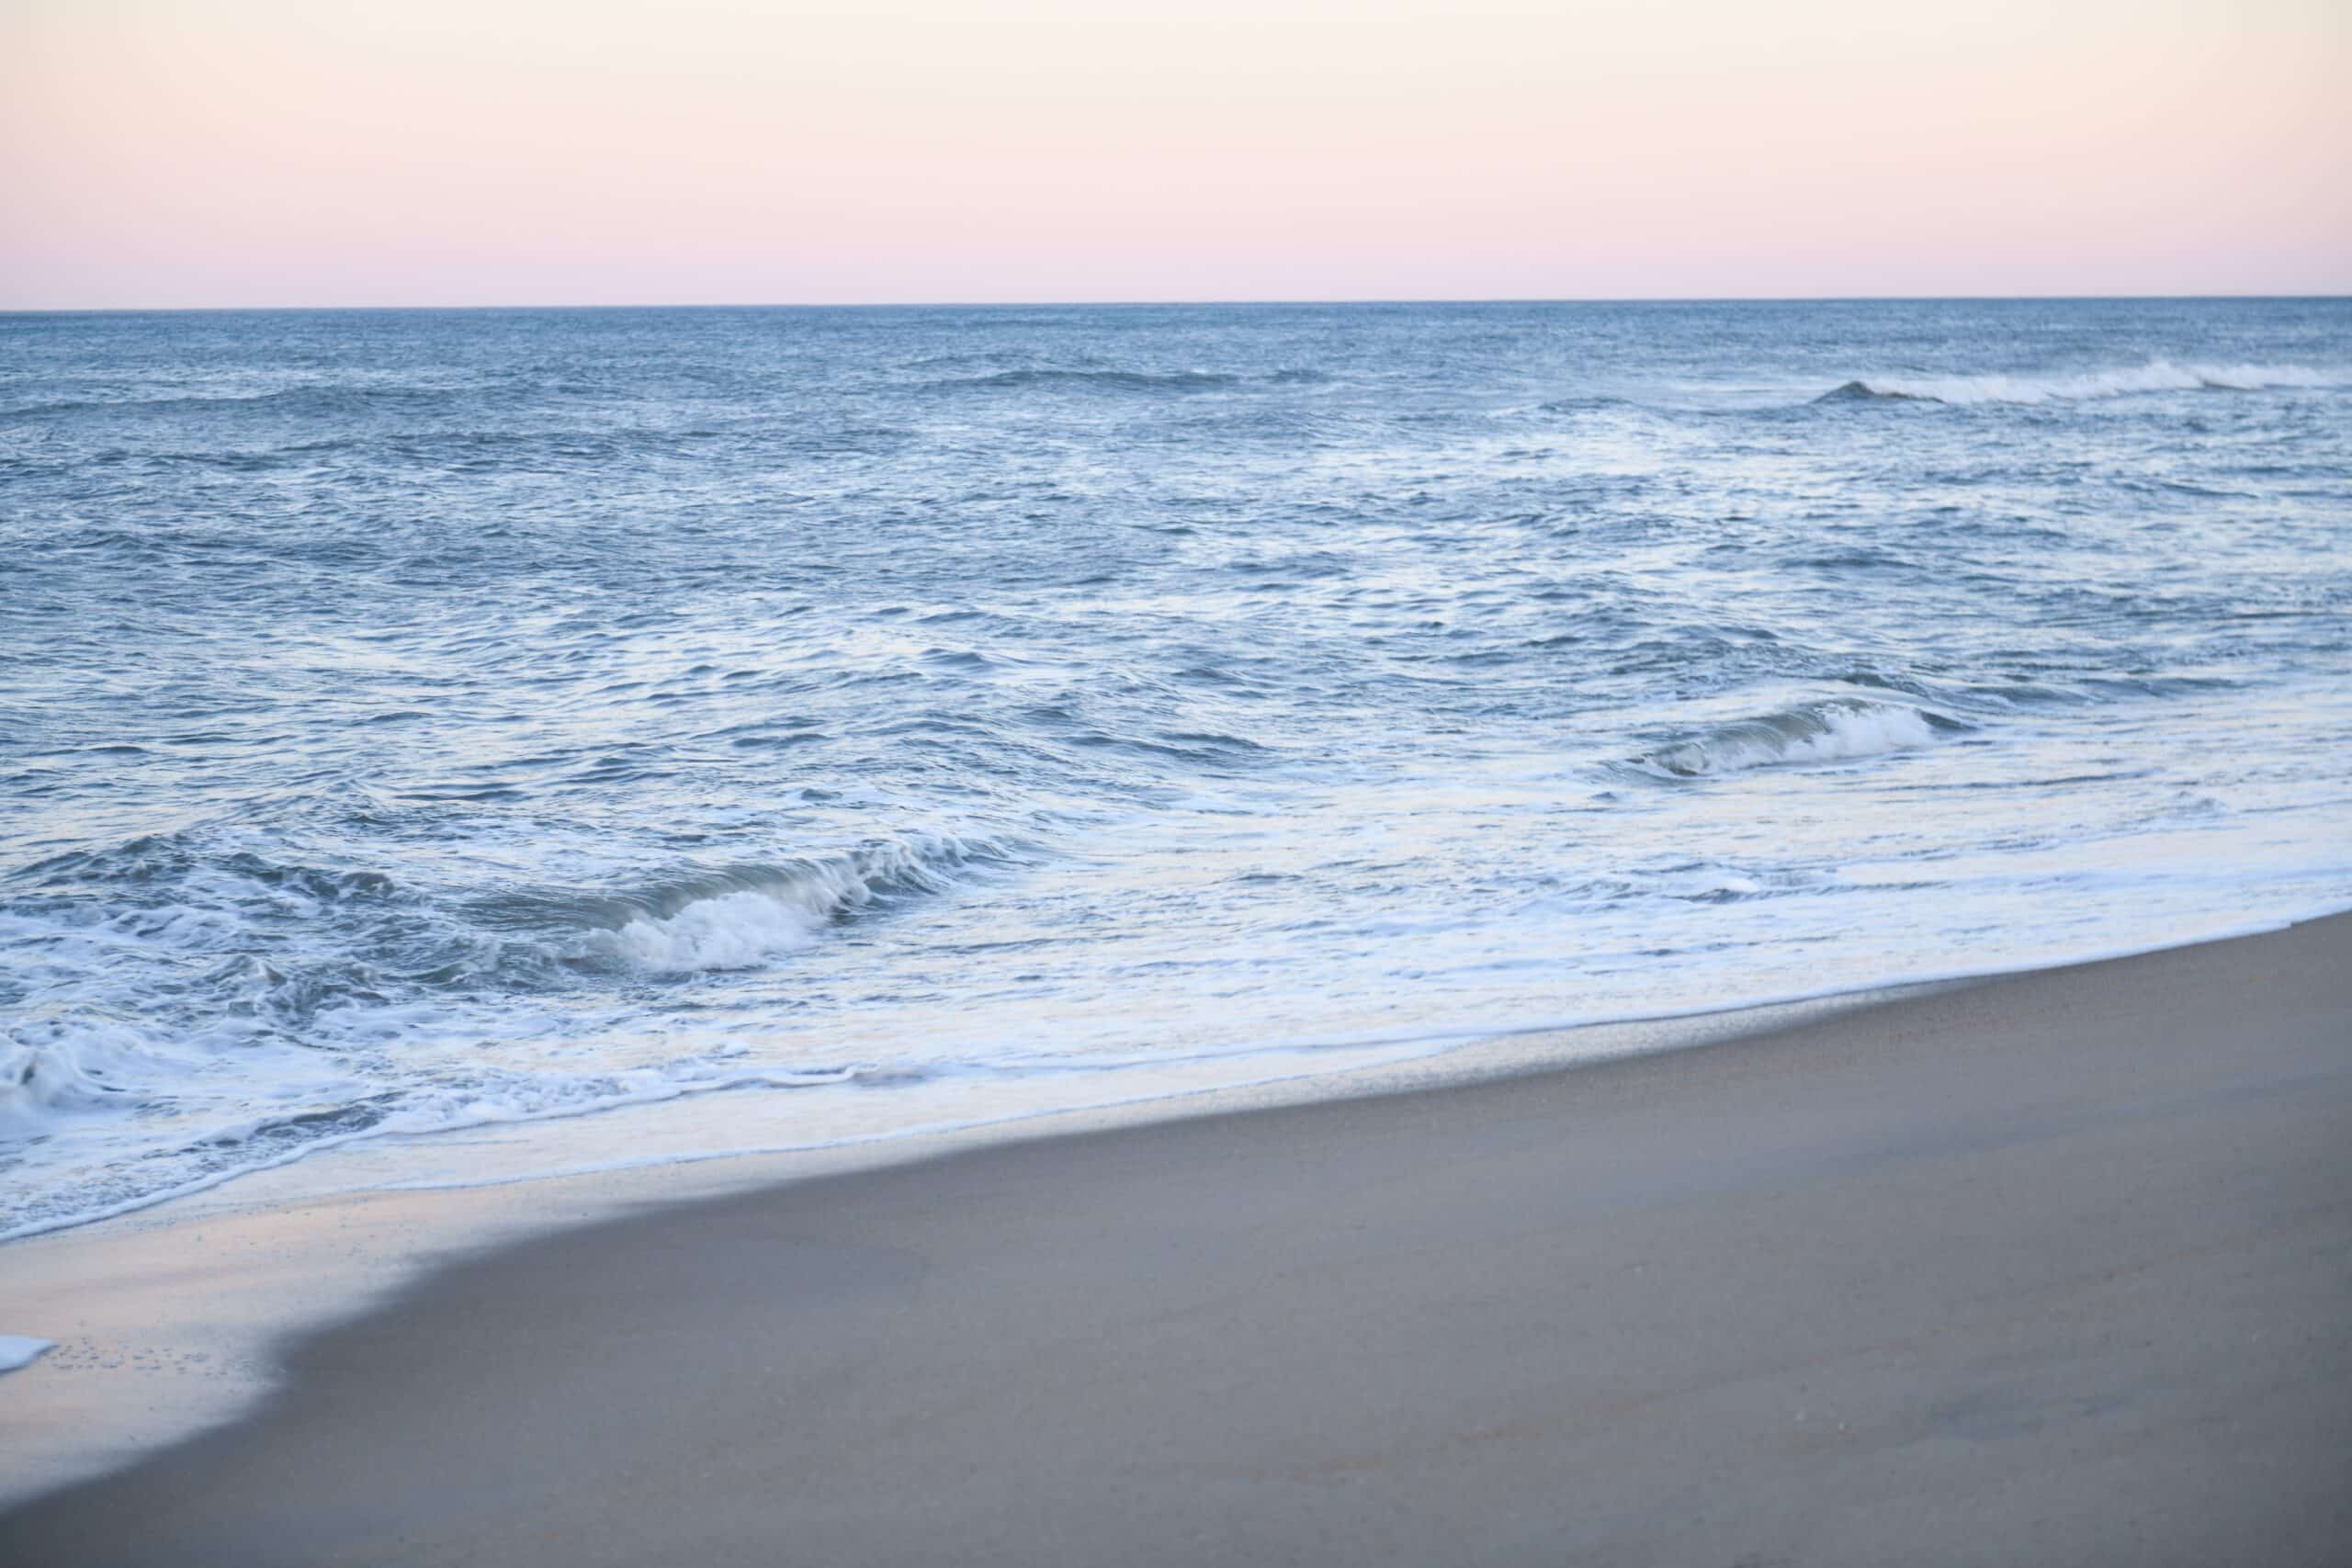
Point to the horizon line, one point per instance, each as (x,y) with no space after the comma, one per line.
(1140,304)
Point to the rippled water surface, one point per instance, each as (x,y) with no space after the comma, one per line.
(414,719)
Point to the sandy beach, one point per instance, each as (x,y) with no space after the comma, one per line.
(2053,1268)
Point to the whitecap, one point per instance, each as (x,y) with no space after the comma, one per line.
(2155,375)
(741,918)
(1819,732)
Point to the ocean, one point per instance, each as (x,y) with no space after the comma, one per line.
(419,722)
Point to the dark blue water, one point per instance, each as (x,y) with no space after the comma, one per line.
(410,719)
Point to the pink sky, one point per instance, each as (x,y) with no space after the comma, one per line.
(197,152)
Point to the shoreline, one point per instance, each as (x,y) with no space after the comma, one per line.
(2030,1267)
(1529,1046)
(146,1353)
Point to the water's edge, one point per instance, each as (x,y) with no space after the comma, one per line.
(173,1321)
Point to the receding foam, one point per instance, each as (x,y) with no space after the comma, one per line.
(21,1350)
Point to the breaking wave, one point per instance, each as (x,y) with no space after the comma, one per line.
(299,980)
(1818,732)
(2157,376)
(739,918)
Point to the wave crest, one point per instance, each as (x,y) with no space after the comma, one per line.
(1818,732)
(739,918)
(2157,376)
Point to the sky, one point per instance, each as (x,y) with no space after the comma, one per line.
(288,152)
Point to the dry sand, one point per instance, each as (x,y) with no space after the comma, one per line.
(2054,1270)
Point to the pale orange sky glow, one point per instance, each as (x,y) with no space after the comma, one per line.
(171,153)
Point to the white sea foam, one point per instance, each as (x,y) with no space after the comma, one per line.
(733,930)
(259,1144)
(2155,375)
(20,1350)
(65,1071)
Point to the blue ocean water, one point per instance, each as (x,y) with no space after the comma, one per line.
(415,719)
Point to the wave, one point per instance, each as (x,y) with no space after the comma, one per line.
(739,918)
(308,400)
(1830,731)
(2157,376)
(246,1011)
(1105,380)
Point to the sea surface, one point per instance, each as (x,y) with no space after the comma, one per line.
(410,721)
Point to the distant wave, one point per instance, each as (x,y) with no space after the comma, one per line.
(308,400)
(1818,732)
(739,918)
(1103,381)
(2157,376)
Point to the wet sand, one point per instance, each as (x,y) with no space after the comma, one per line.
(2055,1268)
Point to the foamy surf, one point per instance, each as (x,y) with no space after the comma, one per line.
(1267,685)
